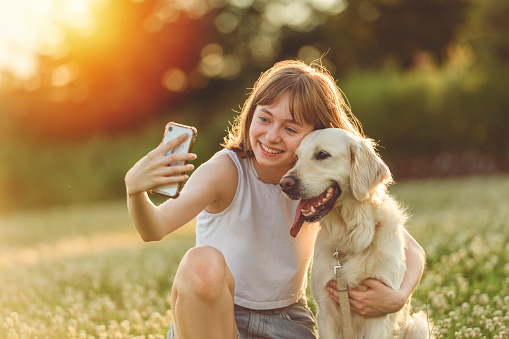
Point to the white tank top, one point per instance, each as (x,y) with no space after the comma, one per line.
(253,233)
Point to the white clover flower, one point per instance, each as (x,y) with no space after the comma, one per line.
(113,325)
(15,318)
(125,325)
(484,299)
(473,299)
(451,294)
(447,322)
(465,306)
(100,329)
(12,334)
(9,323)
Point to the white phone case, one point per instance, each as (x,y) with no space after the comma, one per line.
(172,131)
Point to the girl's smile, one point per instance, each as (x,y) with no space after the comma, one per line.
(269,150)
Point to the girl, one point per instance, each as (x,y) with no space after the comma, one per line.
(247,275)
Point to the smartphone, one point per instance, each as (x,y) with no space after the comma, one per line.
(172,131)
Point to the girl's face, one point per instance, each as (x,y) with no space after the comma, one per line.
(274,137)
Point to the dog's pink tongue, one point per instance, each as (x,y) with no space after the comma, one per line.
(299,220)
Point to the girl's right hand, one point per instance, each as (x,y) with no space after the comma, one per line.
(153,170)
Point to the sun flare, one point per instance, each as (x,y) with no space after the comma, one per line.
(29,28)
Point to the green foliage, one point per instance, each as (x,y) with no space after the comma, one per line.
(83,271)
(487,32)
(58,173)
(458,110)
(427,111)
(47,173)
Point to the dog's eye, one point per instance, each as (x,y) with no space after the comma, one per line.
(322,155)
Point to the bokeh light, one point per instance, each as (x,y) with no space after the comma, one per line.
(175,80)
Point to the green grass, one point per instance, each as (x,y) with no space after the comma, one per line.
(83,272)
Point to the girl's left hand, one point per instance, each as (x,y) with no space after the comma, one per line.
(378,300)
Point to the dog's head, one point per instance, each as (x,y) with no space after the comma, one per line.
(329,162)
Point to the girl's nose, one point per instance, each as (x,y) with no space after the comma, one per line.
(272,134)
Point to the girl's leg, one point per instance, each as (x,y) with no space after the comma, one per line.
(202,296)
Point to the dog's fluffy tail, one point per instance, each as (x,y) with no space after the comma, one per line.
(419,327)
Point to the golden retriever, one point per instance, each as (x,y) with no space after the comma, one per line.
(342,182)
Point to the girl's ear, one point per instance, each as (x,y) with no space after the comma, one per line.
(367,171)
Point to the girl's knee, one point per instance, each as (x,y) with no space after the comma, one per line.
(203,272)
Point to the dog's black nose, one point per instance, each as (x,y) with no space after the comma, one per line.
(287,183)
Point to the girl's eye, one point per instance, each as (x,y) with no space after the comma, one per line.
(291,130)
(263,119)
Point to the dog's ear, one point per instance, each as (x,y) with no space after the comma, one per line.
(368,171)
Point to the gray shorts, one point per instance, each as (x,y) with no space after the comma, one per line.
(170,333)
(294,321)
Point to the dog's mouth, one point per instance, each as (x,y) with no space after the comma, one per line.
(313,209)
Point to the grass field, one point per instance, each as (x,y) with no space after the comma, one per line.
(83,272)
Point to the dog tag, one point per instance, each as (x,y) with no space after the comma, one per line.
(336,268)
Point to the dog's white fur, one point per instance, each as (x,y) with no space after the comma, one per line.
(365,225)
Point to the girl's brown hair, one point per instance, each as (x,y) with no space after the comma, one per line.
(315,99)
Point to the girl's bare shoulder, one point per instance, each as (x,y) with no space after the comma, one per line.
(219,165)
(221,173)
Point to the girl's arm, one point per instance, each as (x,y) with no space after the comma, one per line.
(205,188)
(379,299)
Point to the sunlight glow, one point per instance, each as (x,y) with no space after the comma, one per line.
(29,28)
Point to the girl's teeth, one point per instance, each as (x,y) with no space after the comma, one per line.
(270,150)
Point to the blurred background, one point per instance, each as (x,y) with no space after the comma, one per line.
(86,86)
